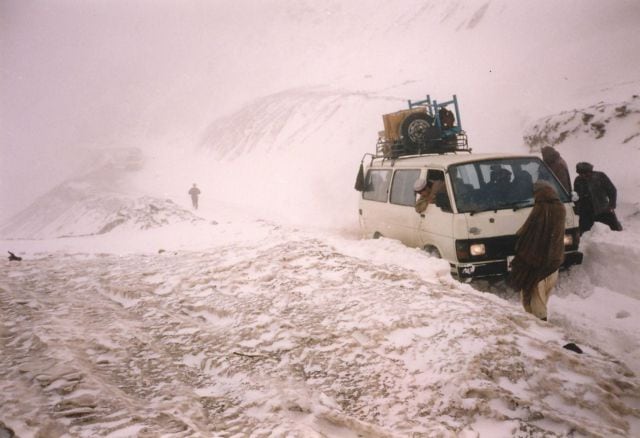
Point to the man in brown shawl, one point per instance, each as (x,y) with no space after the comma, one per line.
(558,166)
(539,250)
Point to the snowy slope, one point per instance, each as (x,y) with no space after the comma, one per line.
(90,215)
(96,202)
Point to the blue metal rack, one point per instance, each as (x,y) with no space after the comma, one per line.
(433,109)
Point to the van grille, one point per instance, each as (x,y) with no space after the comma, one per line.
(499,248)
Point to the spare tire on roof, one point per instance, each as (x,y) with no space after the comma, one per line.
(416,129)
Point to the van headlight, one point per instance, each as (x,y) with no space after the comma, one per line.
(571,239)
(478,249)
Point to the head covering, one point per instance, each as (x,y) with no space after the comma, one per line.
(500,174)
(543,191)
(584,167)
(420,185)
(549,154)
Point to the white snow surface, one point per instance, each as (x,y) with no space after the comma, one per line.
(244,327)
(264,313)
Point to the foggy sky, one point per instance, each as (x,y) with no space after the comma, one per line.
(77,75)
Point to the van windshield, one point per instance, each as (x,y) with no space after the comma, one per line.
(500,183)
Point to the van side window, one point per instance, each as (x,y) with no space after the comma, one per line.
(402,188)
(377,185)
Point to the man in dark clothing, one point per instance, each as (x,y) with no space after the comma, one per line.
(447,119)
(194,192)
(597,198)
(539,250)
(558,166)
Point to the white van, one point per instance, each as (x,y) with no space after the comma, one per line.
(473,223)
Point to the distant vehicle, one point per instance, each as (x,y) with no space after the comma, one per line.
(473,222)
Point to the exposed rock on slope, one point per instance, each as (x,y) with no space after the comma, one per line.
(65,212)
(593,122)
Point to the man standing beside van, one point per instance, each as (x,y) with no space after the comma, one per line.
(597,198)
(539,250)
(558,166)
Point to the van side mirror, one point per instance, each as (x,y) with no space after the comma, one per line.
(442,201)
(360,183)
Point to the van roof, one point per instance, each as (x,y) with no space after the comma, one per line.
(441,160)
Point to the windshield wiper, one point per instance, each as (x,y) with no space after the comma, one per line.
(508,205)
(521,204)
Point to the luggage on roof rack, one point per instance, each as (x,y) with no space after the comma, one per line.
(427,127)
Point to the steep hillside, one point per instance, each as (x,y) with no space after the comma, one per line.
(320,119)
(292,156)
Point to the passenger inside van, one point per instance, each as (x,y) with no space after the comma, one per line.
(500,186)
(522,183)
(463,191)
(427,189)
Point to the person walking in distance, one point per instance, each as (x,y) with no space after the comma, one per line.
(194,192)
(597,198)
(539,250)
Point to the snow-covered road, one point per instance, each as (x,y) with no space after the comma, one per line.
(288,333)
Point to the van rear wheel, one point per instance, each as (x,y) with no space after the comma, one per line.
(377,235)
(432,251)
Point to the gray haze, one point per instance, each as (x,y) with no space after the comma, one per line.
(77,76)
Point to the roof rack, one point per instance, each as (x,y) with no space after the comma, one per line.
(427,127)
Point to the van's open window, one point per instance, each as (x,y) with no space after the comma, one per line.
(377,185)
(402,188)
(500,184)
(433,176)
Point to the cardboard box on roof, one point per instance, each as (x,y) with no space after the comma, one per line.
(393,122)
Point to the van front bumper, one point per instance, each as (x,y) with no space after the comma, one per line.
(467,271)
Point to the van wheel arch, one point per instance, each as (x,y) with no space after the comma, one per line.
(432,251)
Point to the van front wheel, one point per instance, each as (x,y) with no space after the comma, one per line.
(432,251)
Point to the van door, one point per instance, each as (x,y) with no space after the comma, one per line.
(402,201)
(373,205)
(436,223)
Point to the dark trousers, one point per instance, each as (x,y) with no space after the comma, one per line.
(587,219)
